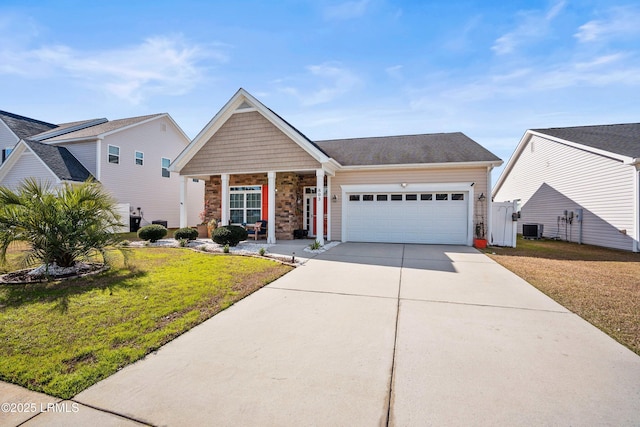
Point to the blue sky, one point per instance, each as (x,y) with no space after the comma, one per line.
(333,69)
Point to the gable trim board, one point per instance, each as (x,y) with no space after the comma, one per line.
(434,162)
(602,182)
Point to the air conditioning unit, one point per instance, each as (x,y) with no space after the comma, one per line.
(532,231)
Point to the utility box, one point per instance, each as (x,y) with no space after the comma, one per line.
(532,231)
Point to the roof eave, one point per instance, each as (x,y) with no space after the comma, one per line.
(454,165)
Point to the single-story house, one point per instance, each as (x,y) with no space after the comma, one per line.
(401,189)
(581,183)
(130,157)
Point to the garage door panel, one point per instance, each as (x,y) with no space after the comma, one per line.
(408,221)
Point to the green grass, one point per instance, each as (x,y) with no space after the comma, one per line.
(59,338)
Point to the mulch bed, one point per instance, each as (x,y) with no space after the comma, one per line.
(23,276)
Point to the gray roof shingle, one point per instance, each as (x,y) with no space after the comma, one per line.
(96,130)
(621,139)
(24,127)
(61,162)
(407,149)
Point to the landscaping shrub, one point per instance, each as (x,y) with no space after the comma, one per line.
(229,235)
(152,232)
(186,233)
(62,224)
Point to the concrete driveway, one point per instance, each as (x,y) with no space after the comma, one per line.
(377,334)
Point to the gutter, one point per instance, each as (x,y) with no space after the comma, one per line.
(483,164)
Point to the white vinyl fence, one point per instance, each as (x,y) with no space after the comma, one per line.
(123,210)
(503,226)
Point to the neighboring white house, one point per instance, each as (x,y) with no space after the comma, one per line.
(582,183)
(129,157)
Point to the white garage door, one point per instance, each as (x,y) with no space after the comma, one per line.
(438,217)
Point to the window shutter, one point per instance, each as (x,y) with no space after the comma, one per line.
(265,201)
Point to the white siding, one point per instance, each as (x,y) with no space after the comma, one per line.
(7,137)
(143,186)
(550,177)
(27,166)
(85,152)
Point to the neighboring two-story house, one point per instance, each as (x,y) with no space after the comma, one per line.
(130,157)
(582,183)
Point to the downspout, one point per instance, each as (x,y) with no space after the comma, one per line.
(489,205)
(636,207)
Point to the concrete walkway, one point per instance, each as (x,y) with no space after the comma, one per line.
(374,334)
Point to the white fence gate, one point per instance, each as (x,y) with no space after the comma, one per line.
(123,210)
(503,227)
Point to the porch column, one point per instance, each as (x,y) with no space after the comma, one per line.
(329,207)
(320,206)
(183,201)
(271,203)
(225,198)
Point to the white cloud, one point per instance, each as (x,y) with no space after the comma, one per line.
(166,65)
(534,25)
(620,22)
(346,10)
(394,72)
(330,80)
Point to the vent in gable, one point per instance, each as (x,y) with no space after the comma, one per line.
(244,106)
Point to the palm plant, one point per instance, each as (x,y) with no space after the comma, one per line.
(62,225)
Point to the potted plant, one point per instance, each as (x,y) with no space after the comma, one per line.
(203,229)
(480,240)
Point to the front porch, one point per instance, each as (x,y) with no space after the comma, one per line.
(288,201)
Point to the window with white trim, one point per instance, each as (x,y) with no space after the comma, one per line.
(139,158)
(6,152)
(245,204)
(114,154)
(165,167)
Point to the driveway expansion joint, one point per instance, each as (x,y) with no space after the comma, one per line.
(487,305)
(312,291)
(106,411)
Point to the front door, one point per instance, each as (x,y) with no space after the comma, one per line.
(311,209)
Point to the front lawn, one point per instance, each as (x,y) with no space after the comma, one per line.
(59,338)
(600,285)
